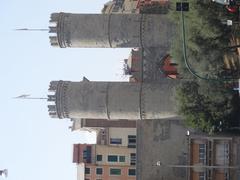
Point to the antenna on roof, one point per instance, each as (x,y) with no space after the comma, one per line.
(27,29)
(27,96)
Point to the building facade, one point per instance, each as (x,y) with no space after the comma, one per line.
(104,162)
(149,66)
(214,157)
(169,150)
(106,172)
(120,7)
(78,124)
(136,6)
(164,143)
(114,154)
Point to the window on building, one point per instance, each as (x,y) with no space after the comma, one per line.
(112,158)
(115,141)
(99,171)
(133,159)
(132,172)
(201,176)
(87,170)
(121,158)
(99,157)
(132,141)
(131,145)
(202,153)
(202,146)
(87,154)
(115,171)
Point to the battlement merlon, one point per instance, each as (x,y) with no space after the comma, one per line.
(57,109)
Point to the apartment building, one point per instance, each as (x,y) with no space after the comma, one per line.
(136,6)
(214,157)
(104,162)
(178,152)
(114,154)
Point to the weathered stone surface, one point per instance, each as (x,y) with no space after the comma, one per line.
(164,141)
(111,30)
(113,100)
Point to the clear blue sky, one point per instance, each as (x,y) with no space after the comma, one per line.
(33,146)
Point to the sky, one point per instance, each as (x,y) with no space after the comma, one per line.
(34,146)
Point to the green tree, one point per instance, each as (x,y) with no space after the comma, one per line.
(207,105)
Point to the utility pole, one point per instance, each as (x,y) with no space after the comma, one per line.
(27,29)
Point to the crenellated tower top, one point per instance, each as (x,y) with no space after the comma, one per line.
(58,109)
(55,28)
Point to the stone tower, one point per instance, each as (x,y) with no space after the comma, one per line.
(110,30)
(112,100)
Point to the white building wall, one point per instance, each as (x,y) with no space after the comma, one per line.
(121,133)
(80,171)
(105,151)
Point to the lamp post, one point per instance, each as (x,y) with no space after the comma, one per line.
(28,29)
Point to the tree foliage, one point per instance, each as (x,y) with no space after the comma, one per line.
(206,105)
